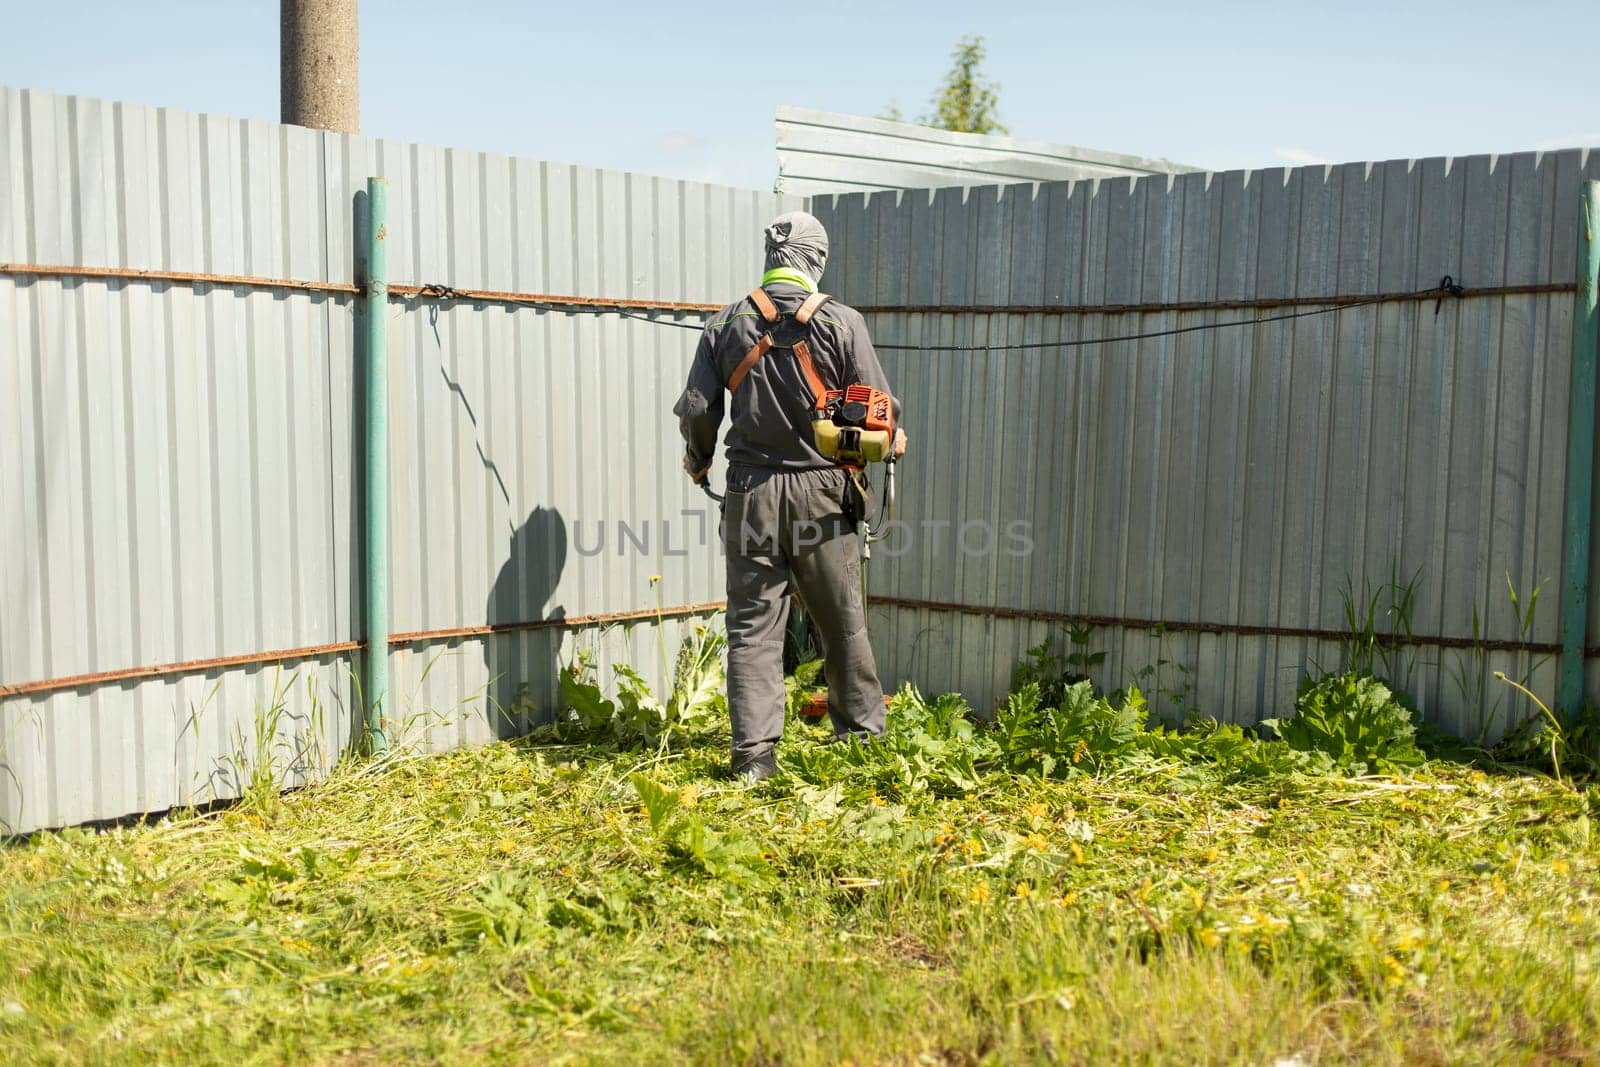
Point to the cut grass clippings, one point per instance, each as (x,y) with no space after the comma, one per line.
(573,903)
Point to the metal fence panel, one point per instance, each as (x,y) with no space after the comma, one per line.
(184,458)
(1238,477)
(822,153)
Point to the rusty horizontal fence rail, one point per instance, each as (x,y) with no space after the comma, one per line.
(286,655)
(191,666)
(1181,306)
(1234,629)
(435,291)
(418,637)
(497,296)
(407,292)
(180,277)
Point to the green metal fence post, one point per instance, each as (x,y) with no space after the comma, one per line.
(1580,456)
(377,462)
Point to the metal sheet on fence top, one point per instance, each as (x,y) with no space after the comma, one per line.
(1241,476)
(180,462)
(823,153)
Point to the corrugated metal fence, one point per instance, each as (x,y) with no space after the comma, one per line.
(821,153)
(1201,500)
(180,461)
(179,458)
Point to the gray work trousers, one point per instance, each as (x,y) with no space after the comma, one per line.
(778,526)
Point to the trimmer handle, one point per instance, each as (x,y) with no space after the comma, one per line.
(868,537)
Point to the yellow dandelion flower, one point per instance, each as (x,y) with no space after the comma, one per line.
(1066,900)
(1036,810)
(689,795)
(1209,937)
(1560,866)
(1077,852)
(979,893)
(505,844)
(1212,855)
(1023,891)
(972,846)
(1444,885)
(1036,842)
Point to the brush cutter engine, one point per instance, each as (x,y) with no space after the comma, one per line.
(854,426)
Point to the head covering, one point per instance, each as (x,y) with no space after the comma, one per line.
(797,240)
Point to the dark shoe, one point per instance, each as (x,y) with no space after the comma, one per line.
(756,768)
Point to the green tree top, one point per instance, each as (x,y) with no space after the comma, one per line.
(967,103)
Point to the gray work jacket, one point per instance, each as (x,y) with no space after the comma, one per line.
(770,423)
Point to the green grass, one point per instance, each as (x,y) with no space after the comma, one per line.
(520,903)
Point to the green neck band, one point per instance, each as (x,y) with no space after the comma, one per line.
(788,274)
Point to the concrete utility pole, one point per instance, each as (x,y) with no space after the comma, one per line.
(320,61)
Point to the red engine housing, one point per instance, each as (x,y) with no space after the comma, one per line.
(877,405)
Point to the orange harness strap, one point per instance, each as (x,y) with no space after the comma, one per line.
(763,303)
(769,313)
(809,308)
(761,348)
(802,350)
(819,391)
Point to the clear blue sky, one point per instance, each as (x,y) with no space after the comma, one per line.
(689,90)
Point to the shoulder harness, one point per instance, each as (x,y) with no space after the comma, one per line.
(802,350)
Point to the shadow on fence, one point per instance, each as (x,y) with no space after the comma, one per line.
(523,664)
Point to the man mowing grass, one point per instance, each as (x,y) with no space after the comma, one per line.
(779,354)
